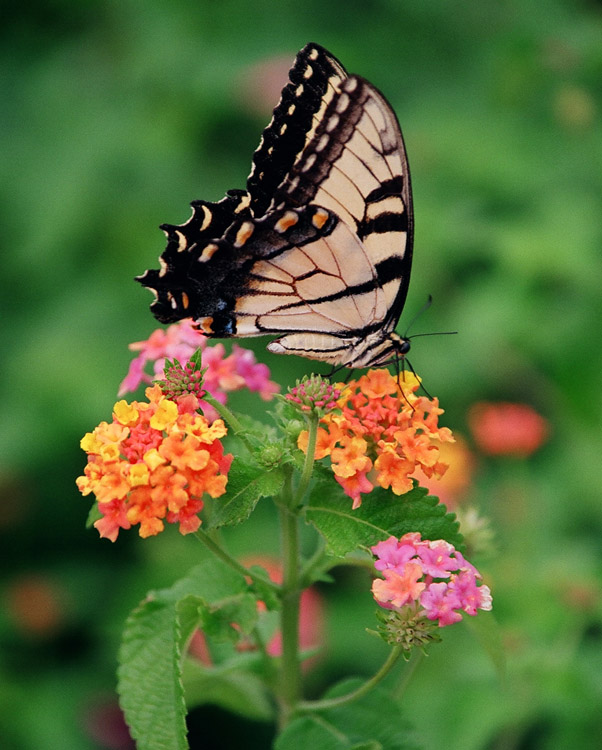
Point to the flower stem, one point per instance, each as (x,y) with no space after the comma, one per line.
(229,418)
(290,673)
(309,459)
(408,673)
(324,705)
(220,552)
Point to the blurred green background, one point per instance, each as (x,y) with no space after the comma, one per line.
(114,116)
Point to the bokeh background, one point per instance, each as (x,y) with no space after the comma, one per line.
(114,116)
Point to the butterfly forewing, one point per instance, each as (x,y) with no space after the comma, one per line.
(313,81)
(318,249)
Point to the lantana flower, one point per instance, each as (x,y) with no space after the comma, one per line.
(426,580)
(222,373)
(431,573)
(381,434)
(154,462)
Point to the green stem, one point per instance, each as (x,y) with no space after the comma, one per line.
(220,552)
(408,673)
(308,465)
(290,673)
(324,705)
(228,418)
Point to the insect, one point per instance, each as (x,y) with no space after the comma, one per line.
(318,249)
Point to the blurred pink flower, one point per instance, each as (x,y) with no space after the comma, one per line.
(507,428)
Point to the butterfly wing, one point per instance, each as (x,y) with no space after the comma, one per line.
(313,81)
(356,165)
(319,247)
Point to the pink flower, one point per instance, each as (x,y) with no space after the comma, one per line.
(399,588)
(507,428)
(392,553)
(440,603)
(222,373)
(412,583)
(436,559)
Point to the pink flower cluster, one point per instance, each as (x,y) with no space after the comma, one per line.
(431,573)
(223,374)
(314,394)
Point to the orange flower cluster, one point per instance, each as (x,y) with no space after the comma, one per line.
(154,461)
(383,435)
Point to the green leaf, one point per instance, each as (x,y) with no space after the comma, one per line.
(487,631)
(156,633)
(247,483)
(240,692)
(373,722)
(381,515)
(93,516)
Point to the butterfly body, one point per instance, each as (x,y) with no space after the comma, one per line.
(318,249)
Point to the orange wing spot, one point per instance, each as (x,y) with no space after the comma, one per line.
(185,300)
(319,218)
(286,221)
(243,234)
(208,252)
(245,203)
(204,325)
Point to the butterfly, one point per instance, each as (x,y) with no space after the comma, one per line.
(318,249)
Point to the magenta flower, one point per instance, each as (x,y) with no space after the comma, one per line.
(436,558)
(441,603)
(393,553)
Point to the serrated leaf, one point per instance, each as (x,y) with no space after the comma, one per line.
(373,721)
(150,677)
(247,483)
(149,683)
(381,515)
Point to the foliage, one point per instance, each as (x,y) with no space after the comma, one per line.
(115,116)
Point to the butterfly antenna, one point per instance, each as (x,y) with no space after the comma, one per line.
(423,309)
(402,371)
(434,333)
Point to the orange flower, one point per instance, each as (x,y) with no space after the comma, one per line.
(383,429)
(507,429)
(154,462)
(452,486)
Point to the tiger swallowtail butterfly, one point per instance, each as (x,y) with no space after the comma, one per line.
(317,250)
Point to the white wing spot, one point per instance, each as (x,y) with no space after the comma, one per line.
(323,142)
(332,123)
(299,90)
(351,84)
(309,162)
(308,72)
(163,265)
(342,103)
(181,242)
(206,219)
(313,55)
(291,109)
